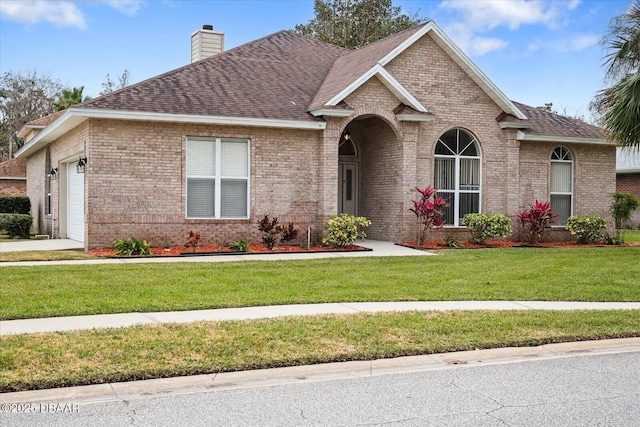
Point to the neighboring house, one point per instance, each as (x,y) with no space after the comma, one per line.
(298,129)
(628,175)
(13,178)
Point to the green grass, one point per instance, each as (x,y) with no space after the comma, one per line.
(582,274)
(43,256)
(34,361)
(632,236)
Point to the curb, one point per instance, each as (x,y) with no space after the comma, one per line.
(207,383)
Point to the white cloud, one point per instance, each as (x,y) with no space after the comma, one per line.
(128,7)
(579,42)
(482,16)
(61,13)
(478,46)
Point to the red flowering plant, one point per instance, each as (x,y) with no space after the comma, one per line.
(194,240)
(537,220)
(428,210)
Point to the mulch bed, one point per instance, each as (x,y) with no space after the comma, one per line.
(440,244)
(253,248)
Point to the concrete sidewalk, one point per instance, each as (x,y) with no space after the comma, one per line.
(70,323)
(377,249)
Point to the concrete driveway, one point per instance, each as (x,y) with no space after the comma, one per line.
(41,245)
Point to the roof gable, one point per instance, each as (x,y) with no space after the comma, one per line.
(370,61)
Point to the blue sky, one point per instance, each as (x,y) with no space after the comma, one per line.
(534,51)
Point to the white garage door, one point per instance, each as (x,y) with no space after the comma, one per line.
(75,203)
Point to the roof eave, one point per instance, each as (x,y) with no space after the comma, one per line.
(514,125)
(74,116)
(332,112)
(522,136)
(24,131)
(415,117)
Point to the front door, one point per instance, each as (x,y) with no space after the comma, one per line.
(348,188)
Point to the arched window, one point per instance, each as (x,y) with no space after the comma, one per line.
(561,194)
(457,174)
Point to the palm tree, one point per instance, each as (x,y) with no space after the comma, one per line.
(70,97)
(619,105)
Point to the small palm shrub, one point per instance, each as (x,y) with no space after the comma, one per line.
(588,229)
(622,208)
(343,230)
(487,226)
(132,246)
(240,245)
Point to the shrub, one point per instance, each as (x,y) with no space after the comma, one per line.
(537,220)
(240,245)
(193,240)
(270,229)
(343,230)
(131,247)
(588,229)
(428,210)
(487,226)
(15,205)
(621,209)
(289,233)
(16,225)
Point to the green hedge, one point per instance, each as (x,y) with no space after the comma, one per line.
(16,225)
(15,205)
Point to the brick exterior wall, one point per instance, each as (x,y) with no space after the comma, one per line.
(628,183)
(136,187)
(135,181)
(13,175)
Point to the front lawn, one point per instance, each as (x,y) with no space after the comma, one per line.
(34,361)
(580,274)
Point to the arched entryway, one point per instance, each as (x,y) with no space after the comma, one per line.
(370,176)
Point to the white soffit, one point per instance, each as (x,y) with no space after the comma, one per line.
(522,136)
(72,117)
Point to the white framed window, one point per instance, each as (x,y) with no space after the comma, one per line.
(561,185)
(457,174)
(217,178)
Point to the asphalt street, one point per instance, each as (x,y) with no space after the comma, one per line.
(579,390)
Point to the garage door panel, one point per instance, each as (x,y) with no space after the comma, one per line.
(75,205)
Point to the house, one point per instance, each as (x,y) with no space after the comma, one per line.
(628,175)
(13,178)
(294,128)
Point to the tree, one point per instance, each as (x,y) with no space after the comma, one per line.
(23,97)
(619,105)
(548,107)
(123,81)
(356,23)
(70,97)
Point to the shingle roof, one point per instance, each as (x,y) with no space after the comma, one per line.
(550,124)
(349,67)
(275,77)
(46,120)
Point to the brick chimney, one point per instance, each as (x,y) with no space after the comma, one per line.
(206,43)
